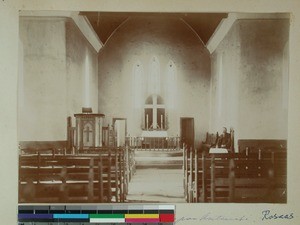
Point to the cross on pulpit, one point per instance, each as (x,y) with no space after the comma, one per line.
(90,125)
(154,106)
(88,131)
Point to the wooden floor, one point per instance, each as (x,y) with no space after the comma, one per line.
(158,178)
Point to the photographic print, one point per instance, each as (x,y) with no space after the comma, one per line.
(131,107)
(189,107)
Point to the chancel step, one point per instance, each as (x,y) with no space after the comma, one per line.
(159,159)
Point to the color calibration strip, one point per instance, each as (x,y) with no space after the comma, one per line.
(99,214)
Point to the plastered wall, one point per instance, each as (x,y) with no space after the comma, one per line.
(50,79)
(139,40)
(77,49)
(251,95)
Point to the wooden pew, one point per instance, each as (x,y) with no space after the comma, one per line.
(265,145)
(276,151)
(43,147)
(126,167)
(217,184)
(278,162)
(74,178)
(239,178)
(187,170)
(251,180)
(111,183)
(200,177)
(209,174)
(48,179)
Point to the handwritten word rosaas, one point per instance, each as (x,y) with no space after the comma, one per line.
(268,215)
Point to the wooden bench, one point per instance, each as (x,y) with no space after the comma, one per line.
(264,145)
(129,155)
(43,147)
(250,180)
(278,172)
(48,179)
(274,150)
(74,178)
(238,177)
(209,170)
(187,171)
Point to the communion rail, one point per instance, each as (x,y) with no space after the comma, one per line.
(153,143)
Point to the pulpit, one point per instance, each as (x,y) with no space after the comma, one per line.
(88,131)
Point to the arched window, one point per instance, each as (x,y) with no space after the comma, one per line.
(154,77)
(155,116)
(138,85)
(171,85)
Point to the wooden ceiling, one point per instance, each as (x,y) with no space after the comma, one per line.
(105,23)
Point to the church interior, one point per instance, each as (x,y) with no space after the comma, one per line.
(153,107)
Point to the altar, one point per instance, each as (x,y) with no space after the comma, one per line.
(154,133)
(154,140)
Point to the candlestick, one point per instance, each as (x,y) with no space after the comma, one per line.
(147,121)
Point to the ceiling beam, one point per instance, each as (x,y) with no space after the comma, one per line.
(220,32)
(87,30)
(226,24)
(81,22)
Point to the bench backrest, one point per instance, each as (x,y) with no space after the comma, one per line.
(228,175)
(95,176)
(265,145)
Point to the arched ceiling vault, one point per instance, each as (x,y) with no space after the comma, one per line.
(105,23)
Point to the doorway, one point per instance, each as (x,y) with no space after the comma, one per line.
(187,131)
(120,127)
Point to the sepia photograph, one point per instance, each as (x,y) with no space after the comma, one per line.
(163,112)
(121,107)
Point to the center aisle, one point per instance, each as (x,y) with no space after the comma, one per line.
(158,178)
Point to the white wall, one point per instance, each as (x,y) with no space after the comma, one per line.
(252,95)
(44,76)
(225,82)
(53,69)
(139,39)
(77,49)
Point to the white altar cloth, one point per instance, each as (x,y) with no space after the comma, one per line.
(154,133)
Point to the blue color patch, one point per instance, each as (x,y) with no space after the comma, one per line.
(70,216)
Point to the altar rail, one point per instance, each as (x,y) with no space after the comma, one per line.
(153,143)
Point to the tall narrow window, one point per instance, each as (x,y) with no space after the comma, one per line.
(171,85)
(138,85)
(154,77)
